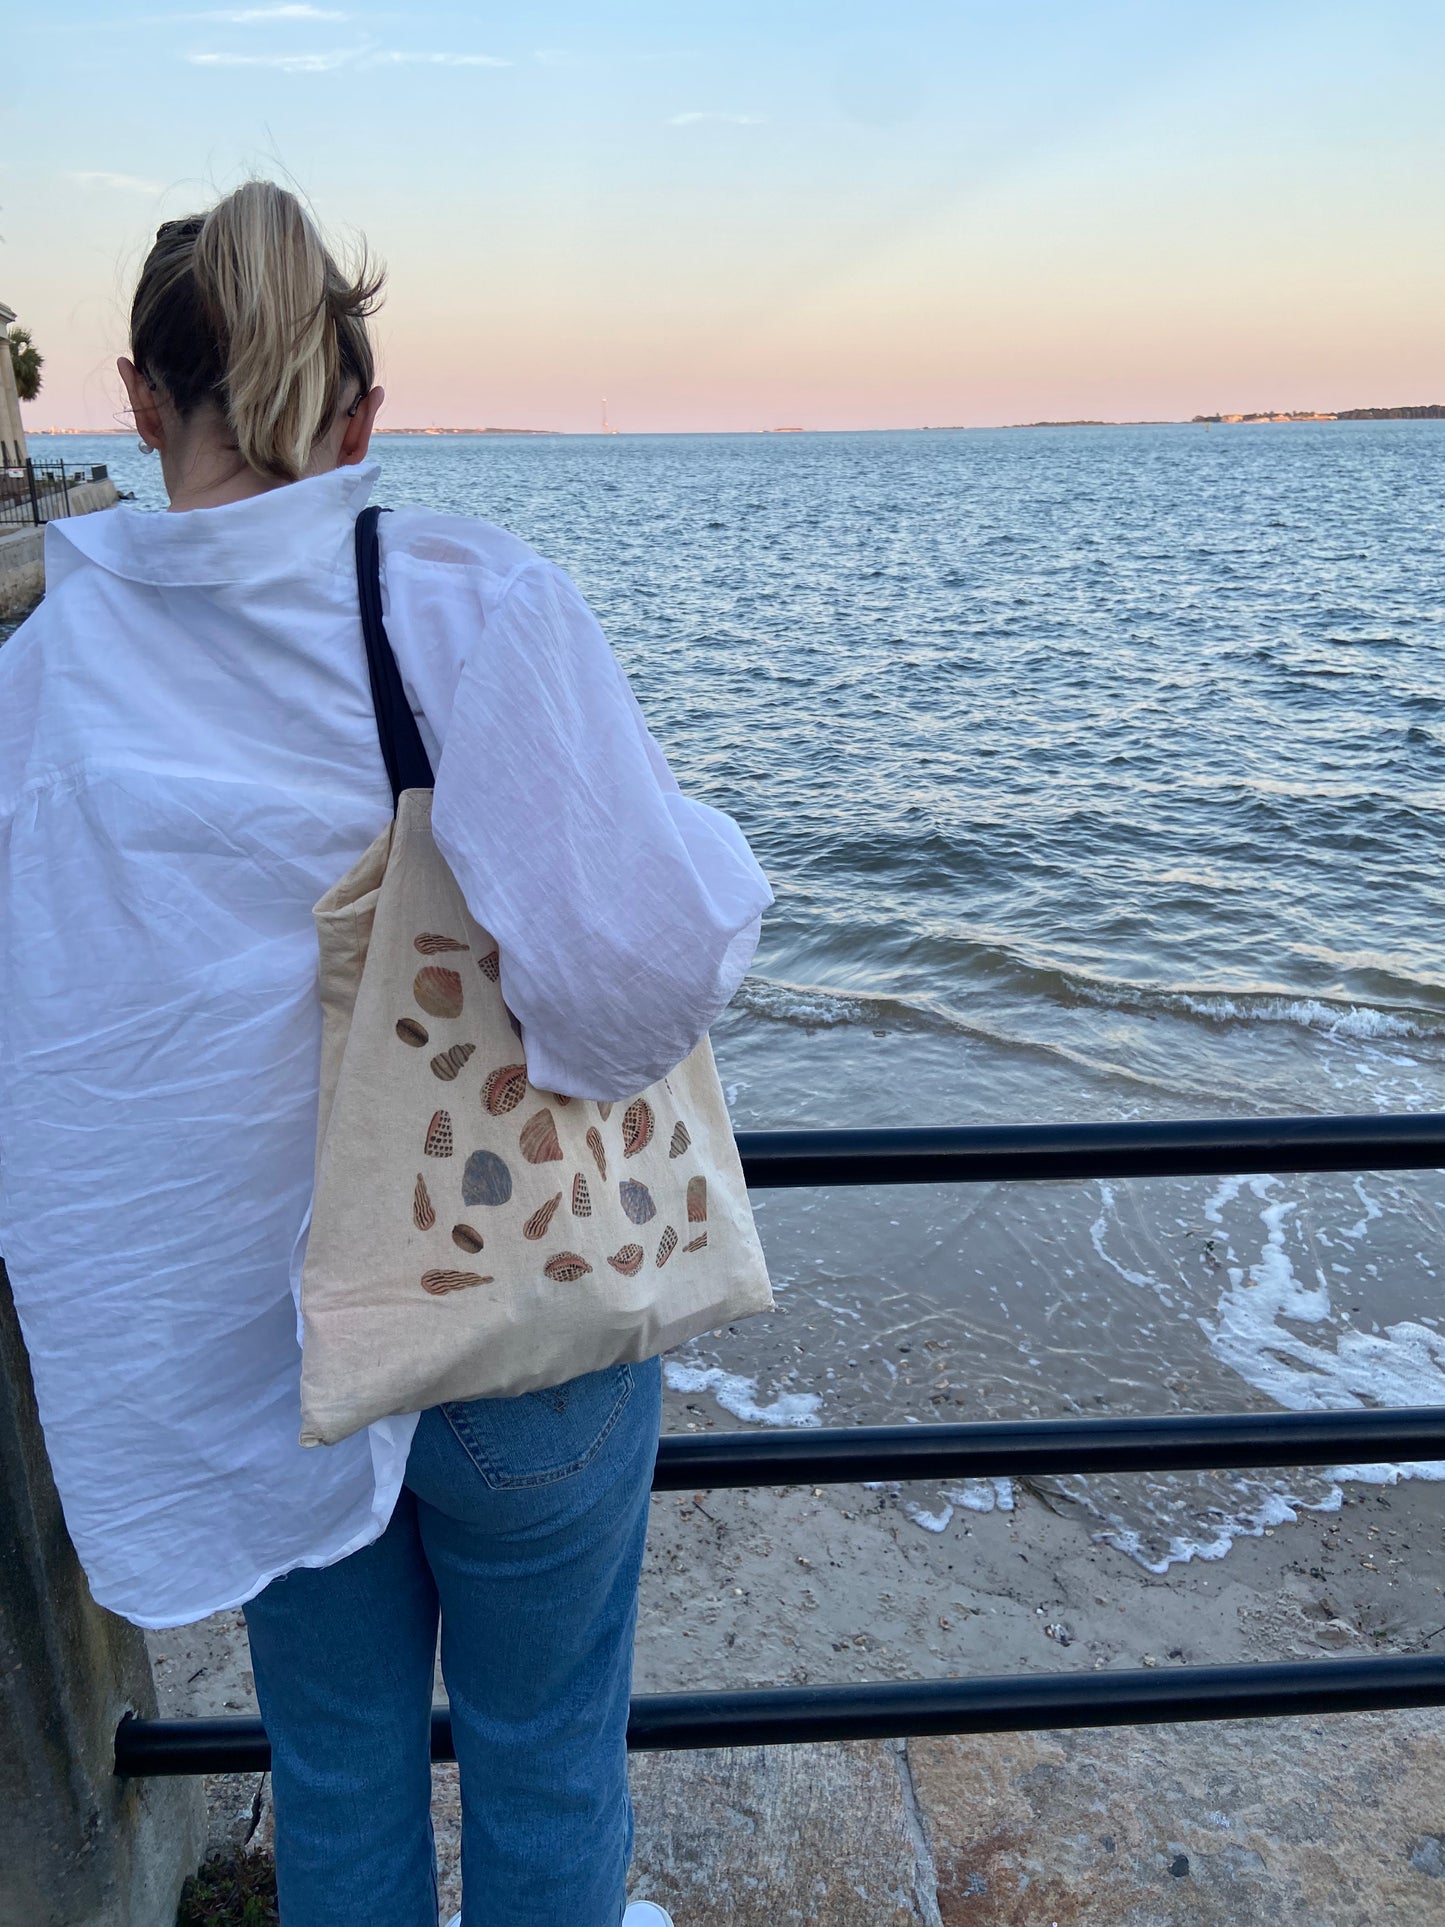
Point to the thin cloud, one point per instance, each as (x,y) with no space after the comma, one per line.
(261,16)
(325,63)
(389,58)
(119,183)
(725,120)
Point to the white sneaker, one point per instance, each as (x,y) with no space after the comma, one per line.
(646,1913)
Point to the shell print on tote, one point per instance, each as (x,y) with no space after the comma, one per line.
(486,1179)
(628,1260)
(594,1145)
(438,1283)
(438,991)
(637,1123)
(636,1200)
(423,1215)
(411,1032)
(447,1063)
(536,1225)
(505,1089)
(680,1140)
(439,1135)
(666,1245)
(566,1267)
(697,1244)
(581,1197)
(465,1239)
(696,1200)
(490,966)
(431,945)
(539,1139)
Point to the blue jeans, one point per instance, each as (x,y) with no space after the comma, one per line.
(520,1528)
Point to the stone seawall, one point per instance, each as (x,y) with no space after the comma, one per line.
(22,552)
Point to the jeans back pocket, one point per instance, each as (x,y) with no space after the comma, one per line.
(541,1436)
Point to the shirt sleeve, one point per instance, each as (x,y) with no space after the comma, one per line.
(625,913)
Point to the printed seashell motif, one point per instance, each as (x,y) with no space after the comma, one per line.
(447,1063)
(505,1089)
(604,1111)
(680,1140)
(439,1135)
(431,945)
(486,1179)
(411,1032)
(636,1200)
(581,1197)
(490,965)
(637,1124)
(594,1145)
(536,1225)
(422,1214)
(438,1283)
(696,1200)
(438,991)
(539,1139)
(465,1239)
(566,1267)
(697,1243)
(666,1245)
(628,1260)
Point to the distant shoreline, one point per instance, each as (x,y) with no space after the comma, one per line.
(1422,411)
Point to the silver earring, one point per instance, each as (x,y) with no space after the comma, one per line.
(145,448)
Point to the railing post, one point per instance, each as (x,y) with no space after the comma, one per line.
(78,1847)
(35,515)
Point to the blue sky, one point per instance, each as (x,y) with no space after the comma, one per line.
(738,216)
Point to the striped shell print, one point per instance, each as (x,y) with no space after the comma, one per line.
(539,1139)
(637,1122)
(680,1140)
(438,991)
(431,945)
(411,1032)
(536,1225)
(486,1179)
(628,1260)
(465,1239)
(581,1197)
(697,1243)
(438,1283)
(636,1201)
(490,966)
(505,1089)
(666,1245)
(439,1135)
(594,1145)
(447,1063)
(422,1214)
(566,1267)
(696,1200)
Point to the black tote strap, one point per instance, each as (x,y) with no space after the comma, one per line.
(407,764)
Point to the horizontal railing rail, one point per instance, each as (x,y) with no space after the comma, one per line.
(1018,1448)
(792,1715)
(1026,1153)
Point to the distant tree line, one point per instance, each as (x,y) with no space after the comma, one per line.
(1428,412)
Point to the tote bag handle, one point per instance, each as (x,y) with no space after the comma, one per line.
(408,767)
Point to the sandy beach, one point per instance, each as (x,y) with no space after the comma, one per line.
(814,1584)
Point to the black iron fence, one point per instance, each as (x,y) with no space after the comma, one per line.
(785,1715)
(32,493)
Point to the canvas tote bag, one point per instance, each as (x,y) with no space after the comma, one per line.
(472,1236)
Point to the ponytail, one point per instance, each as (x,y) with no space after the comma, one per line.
(245,307)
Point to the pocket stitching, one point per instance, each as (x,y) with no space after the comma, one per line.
(501,1481)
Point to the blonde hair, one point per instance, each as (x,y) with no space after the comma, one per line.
(246,308)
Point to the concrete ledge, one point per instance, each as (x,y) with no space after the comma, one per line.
(22,573)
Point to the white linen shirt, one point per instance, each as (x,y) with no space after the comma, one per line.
(188,760)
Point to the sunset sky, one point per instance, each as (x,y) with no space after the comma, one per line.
(743,215)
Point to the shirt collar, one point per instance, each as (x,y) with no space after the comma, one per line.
(233,543)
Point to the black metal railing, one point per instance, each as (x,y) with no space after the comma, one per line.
(33,493)
(1014,1153)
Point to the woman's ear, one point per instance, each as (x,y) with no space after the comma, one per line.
(149,423)
(359,424)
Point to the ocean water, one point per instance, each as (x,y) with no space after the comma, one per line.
(1099,774)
